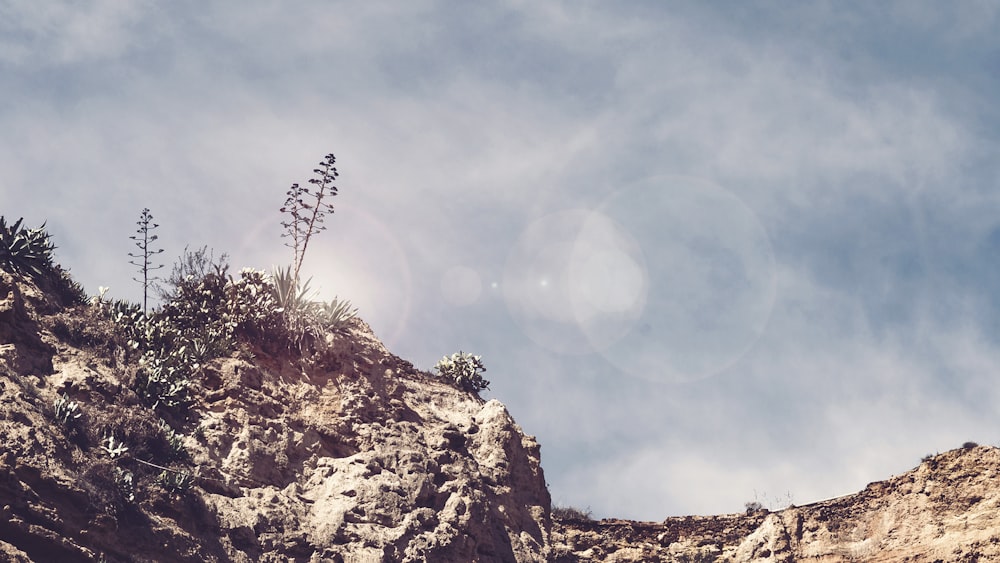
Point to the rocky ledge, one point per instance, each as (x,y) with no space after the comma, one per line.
(945,510)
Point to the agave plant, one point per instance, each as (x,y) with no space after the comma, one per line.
(25,251)
(307,320)
(336,314)
(291,295)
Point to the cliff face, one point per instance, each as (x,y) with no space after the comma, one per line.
(351,456)
(945,510)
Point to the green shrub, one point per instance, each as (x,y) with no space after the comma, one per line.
(202,320)
(69,291)
(571,513)
(164,377)
(175,482)
(464,371)
(174,442)
(336,315)
(190,268)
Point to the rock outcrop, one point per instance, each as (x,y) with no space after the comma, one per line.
(353,456)
(945,510)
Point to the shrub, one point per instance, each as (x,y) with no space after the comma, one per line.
(571,513)
(337,314)
(190,268)
(113,447)
(175,482)
(464,371)
(164,377)
(69,291)
(175,450)
(969,445)
(203,320)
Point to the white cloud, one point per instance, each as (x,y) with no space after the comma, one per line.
(837,282)
(63,33)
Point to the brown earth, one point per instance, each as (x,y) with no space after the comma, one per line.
(353,455)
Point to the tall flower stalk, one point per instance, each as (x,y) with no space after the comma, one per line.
(306,209)
(144,239)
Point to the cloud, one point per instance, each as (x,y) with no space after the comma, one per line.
(768,234)
(60,33)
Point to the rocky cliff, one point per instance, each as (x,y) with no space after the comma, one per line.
(945,510)
(352,455)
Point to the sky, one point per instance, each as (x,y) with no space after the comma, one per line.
(709,252)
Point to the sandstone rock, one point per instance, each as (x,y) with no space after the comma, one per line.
(944,510)
(352,456)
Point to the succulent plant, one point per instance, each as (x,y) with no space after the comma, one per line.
(464,371)
(67,411)
(175,482)
(25,251)
(113,447)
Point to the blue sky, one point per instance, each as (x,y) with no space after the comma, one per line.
(707,250)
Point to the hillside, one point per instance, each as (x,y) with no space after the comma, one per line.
(347,455)
(341,451)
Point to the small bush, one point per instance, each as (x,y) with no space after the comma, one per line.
(69,291)
(175,482)
(969,445)
(464,371)
(175,450)
(28,252)
(164,378)
(191,267)
(571,513)
(203,320)
(754,507)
